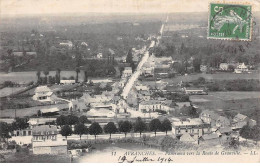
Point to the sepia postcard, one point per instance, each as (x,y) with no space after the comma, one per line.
(129,81)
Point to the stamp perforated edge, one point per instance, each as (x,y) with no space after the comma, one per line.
(231,3)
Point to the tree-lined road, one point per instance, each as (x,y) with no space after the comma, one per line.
(144,59)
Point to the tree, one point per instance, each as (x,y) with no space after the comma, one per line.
(85,76)
(46,73)
(83,119)
(110,128)
(4,130)
(38,73)
(140,126)
(255,133)
(58,75)
(196,64)
(166,125)
(155,125)
(245,132)
(80,129)
(66,131)
(72,120)
(20,123)
(61,120)
(95,129)
(77,76)
(125,126)
(129,57)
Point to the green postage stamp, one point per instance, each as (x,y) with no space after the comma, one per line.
(230,21)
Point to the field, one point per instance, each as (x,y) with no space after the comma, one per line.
(216,76)
(25,77)
(8,91)
(237,102)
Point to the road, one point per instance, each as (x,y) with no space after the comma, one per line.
(144,59)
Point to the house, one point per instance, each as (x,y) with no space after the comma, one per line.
(127,72)
(223,66)
(67,44)
(222,122)
(45,141)
(147,69)
(193,126)
(241,67)
(67,81)
(214,119)
(99,55)
(225,130)
(241,120)
(140,87)
(44,94)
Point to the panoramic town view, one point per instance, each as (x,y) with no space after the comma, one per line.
(74,88)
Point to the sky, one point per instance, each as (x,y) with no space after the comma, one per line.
(36,7)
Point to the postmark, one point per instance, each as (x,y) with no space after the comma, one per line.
(230,21)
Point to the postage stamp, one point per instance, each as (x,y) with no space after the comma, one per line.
(230,21)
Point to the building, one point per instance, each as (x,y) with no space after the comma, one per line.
(147,69)
(44,94)
(67,44)
(23,132)
(20,54)
(241,120)
(191,126)
(140,87)
(45,141)
(127,72)
(241,68)
(99,55)
(223,66)
(153,105)
(67,81)
(210,117)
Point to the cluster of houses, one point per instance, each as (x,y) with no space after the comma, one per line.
(232,67)
(209,127)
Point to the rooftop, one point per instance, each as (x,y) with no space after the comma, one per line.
(44,130)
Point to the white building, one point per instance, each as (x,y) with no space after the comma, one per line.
(44,94)
(241,68)
(68,44)
(153,105)
(67,81)
(223,66)
(127,72)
